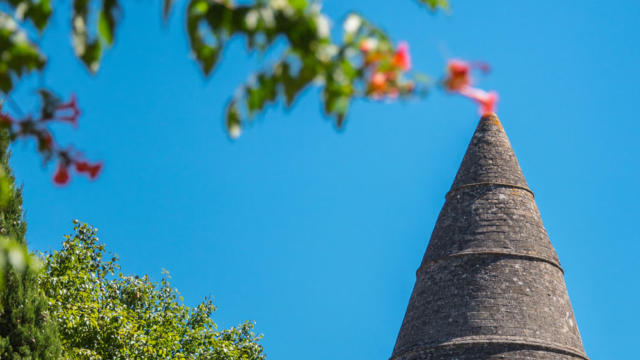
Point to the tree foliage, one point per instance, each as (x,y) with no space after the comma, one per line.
(104,314)
(26,329)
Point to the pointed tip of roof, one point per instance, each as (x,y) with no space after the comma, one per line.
(492,117)
(489,157)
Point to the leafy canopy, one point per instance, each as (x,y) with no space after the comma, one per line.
(103,314)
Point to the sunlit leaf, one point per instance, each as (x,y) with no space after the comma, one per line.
(105,28)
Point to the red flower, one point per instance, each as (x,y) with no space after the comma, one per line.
(459,73)
(94,170)
(90,169)
(486,100)
(61,176)
(72,106)
(458,66)
(459,80)
(402,59)
(488,103)
(81,166)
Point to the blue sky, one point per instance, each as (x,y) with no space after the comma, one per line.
(316,234)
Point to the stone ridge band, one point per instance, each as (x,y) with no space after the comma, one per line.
(492,252)
(452,191)
(496,339)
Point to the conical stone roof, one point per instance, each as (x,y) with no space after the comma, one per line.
(490,285)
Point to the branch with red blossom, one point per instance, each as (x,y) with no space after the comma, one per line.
(366,64)
(53,110)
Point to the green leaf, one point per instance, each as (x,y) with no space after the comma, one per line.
(435,4)
(298,4)
(105,28)
(205,44)
(198,7)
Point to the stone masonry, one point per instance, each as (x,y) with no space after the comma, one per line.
(490,285)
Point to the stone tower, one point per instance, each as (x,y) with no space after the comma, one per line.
(490,285)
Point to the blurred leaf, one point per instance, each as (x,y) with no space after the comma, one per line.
(435,4)
(233,120)
(89,48)
(14,256)
(166,9)
(18,56)
(105,29)
(205,53)
(36,11)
